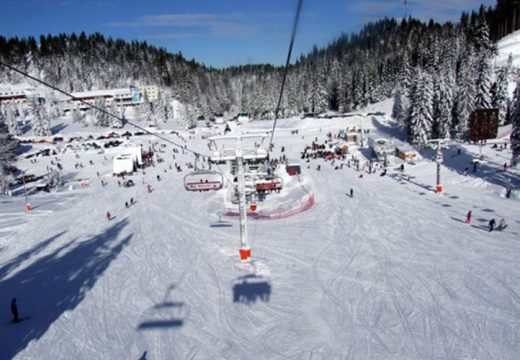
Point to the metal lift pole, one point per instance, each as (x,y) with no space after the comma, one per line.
(245,250)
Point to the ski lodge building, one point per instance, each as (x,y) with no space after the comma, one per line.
(124,97)
(17,94)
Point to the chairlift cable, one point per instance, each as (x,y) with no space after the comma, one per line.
(293,35)
(125,121)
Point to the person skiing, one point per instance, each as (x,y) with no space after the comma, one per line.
(501,225)
(132,201)
(468,217)
(14,311)
(492,223)
(351,192)
(126,204)
(149,187)
(109,216)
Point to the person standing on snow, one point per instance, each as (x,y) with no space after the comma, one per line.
(492,223)
(109,216)
(14,311)
(468,217)
(351,192)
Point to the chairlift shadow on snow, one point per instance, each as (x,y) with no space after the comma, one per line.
(55,283)
(167,314)
(250,288)
(221,223)
(400,178)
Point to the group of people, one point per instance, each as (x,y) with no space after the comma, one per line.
(492,225)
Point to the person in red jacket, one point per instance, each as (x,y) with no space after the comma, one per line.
(468,217)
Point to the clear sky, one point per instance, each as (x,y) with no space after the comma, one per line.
(218,33)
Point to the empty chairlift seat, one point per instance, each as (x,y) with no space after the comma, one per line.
(203,180)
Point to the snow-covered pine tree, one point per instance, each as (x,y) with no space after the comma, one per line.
(76,114)
(483,83)
(464,98)
(41,122)
(11,118)
(421,109)
(443,103)
(405,75)
(500,95)
(100,116)
(515,134)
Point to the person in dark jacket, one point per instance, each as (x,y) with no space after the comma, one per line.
(14,311)
(492,223)
(351,192)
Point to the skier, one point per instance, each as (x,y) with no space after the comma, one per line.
(351,192)
(109,216)
(501,225)
(149,187)
(14,311)
(468,217)
(126,204)
(132,201)
(492,223)
(158,178)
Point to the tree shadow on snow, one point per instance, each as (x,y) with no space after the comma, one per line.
(490,172)
(53,284)
(14,263)
(250,288)
(57,128)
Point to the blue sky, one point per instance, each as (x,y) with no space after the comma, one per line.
(217,33)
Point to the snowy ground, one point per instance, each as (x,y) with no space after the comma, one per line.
(392,273)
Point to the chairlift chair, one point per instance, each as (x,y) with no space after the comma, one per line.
(203,180)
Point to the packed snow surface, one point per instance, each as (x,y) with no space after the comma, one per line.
(392,273)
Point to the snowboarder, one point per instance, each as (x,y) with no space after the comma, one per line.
(468,217)
(492,223)
(14,311)
(351,192)
(501,225)
(109,216)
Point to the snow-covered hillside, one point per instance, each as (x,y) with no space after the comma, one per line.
(508,45)
(392,273)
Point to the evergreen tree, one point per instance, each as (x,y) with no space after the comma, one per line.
(500,95)
(9,115)
(515,134)
(100,116)
(41,122)
(421,109)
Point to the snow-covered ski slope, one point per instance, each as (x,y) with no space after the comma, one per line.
(392,273)
(508,45)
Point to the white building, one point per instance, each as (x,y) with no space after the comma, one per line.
(151,91)
(128,161)
(17,94)
(124,97)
